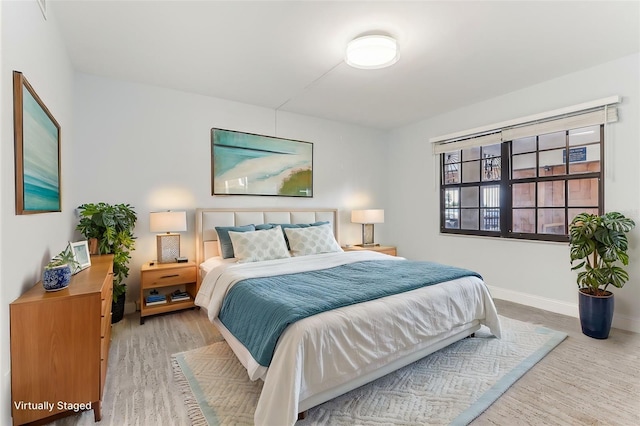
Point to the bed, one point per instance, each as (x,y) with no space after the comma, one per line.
(325,354)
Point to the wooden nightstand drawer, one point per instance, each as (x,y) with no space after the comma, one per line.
(390,250)
(168,276)
(157,277)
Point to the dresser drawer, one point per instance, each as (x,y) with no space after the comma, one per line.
(167,277)
(105,340)
(105,343)
(105,323)
(107,287)
(106,300)
(104,350)
(103,376)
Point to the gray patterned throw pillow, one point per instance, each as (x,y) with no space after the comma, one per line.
(255,246)
(312,240)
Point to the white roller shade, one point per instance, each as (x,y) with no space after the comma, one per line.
(601,111)
(440,148)
(567,123)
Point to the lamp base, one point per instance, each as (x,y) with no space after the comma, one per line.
(367,234)
(368,245)
(168,247)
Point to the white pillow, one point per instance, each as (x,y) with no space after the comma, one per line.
(254,246)
(312,240)
(214,262)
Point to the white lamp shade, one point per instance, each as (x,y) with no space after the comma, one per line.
(168,221)
(367,216)
(372,52)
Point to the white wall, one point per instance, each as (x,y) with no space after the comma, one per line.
(151,147)
(536,273)
(32,45)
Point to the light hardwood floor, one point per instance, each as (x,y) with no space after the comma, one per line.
(583,381)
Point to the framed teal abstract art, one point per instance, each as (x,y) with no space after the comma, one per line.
(249,164)
(37,151)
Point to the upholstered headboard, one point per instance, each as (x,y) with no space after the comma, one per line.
(207,219)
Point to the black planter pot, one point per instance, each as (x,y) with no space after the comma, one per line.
(596,314)
(117,309)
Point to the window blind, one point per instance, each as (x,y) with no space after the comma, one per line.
(573,122)
(467,143)
(597,112)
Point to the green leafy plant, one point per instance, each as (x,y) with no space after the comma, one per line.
(112,225)
(65,257)
(599,244)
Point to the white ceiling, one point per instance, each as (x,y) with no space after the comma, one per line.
(289,54)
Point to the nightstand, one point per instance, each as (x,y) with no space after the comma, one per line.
(390,250)
(158,277)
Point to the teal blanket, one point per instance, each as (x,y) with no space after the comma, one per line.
(257,310)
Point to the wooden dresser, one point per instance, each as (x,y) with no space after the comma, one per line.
(60,345)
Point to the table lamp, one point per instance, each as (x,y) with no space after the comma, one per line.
(367,218)
(168,244)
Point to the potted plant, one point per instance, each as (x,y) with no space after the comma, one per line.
(599,244)
(57,273)
(112,225)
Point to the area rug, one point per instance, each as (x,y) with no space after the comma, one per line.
(451,386)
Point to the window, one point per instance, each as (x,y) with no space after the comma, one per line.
(528,187)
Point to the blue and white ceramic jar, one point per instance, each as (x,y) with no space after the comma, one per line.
(56,278)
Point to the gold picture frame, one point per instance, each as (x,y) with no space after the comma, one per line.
(250,164)
(37,151)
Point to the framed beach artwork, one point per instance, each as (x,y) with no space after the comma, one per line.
(37,151)
(249,164)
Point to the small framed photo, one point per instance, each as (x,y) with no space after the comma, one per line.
(81,255)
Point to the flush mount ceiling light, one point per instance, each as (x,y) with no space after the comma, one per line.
(372,52)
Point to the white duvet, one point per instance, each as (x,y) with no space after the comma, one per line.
(325,351)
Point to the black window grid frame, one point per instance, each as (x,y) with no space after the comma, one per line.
(506,183)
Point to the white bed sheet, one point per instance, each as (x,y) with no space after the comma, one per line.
(326,350)
(213,262)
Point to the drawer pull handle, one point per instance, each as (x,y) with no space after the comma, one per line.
(170,276)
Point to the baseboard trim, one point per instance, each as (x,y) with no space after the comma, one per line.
(552,305)
(621,322)
(130,307)
(624,322)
